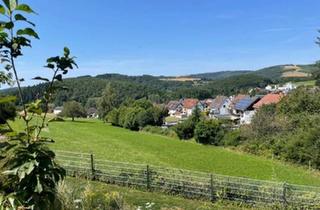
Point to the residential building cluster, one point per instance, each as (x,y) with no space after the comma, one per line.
(238,108)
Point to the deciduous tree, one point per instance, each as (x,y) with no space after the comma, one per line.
(209,132)
(73,109)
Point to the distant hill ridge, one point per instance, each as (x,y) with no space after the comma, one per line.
(272,72)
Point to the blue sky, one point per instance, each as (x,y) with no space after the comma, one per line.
(173,37)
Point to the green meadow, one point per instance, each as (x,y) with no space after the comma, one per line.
(306,83)
(118,144)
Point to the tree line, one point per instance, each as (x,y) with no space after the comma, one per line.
(87,89)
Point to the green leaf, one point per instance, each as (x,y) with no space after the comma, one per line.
(12,172)
(2,10)
(28,31)
(4,60)
(24,169)
(53,59)
(39,188)
(30,166)
(35,107)
(41,78)
(8,67)
(58,77)
(9,25)
(3,35)
(12,201)
(10,4)
(66,51)
(25,8)
(50,66)
(19,17)
(7,3)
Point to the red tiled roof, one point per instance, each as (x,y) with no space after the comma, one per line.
(271,98)
(190,103)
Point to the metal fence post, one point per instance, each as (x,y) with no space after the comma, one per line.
(309,165)
(284,194)
(92,167)
(148,178)
(211,188)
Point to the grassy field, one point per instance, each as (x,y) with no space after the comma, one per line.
(119,144)
(306,83)
(171,119)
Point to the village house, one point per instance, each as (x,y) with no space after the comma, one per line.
(190,104)
(286,88)
(220,107)
(271,98)
(245,110)
(92,113)
(234,101)
(175,108)
(207,104)
(57,110)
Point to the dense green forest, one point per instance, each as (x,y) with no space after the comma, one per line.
(84,89)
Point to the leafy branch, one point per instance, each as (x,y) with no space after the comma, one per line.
(30,172)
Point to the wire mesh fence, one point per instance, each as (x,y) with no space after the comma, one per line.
(190,184)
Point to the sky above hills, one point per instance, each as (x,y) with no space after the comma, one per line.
(174,37)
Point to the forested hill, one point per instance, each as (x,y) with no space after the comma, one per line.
(272,72)
(86,89)
(219,74)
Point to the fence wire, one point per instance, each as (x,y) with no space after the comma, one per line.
(189,183)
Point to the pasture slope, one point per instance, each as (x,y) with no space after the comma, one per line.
(118,144)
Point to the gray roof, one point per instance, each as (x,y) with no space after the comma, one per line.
(173,105)
(218,102)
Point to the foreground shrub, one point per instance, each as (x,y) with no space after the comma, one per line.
(85,196)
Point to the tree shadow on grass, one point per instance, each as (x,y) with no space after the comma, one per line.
(79,121)
(84,121)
